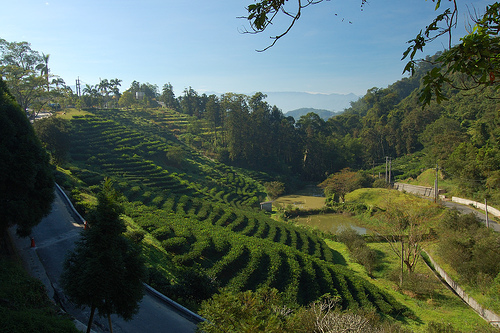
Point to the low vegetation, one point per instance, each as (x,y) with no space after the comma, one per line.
(24,304)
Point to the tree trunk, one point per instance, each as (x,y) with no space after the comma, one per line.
(402,262)
(91,318)
(109,322)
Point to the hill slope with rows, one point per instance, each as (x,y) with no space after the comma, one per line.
(205,214)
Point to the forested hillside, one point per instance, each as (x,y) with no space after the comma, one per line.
(460,134)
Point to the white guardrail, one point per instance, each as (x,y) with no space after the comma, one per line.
(190,314)
(490,316)
(478,205)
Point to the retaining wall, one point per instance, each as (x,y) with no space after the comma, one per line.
(416,189)
(491,210)
(486,314)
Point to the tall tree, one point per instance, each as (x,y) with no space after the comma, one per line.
(404,230)
(213,115)
(104,90)
(18,65)
(168,97)
(90,95)
(341,183)
(105,270)
(189,102)
(44,68)
(26,181)
(54,134)
(235,108)
(114,85)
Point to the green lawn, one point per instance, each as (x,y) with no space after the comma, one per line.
(70,113)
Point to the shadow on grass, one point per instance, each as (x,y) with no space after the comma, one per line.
(338,258)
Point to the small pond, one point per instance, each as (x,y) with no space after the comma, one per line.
(311,198)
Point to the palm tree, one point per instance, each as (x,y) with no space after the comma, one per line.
(104,86)
(58,81)
(114,84)
(92,93)
(89,90)
(44,68)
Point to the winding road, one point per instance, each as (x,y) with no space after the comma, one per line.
(53,238)
(467,210)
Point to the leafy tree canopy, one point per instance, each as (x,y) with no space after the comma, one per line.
(27,75)
(342,183)
(26,181)
(54,133)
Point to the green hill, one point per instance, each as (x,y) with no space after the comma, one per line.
(204,213)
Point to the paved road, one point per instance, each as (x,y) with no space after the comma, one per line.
(467,210)
(54,237)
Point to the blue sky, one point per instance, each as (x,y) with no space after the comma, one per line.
(199,43)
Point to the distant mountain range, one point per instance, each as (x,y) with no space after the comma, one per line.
(289,101)
(324,114)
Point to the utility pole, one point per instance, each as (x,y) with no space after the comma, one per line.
(78,91)
(436,195)
(386,160)
(390,169)
(486,210)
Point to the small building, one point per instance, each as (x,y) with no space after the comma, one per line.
(267,206)
(139,95)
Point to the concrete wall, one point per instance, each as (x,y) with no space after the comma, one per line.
(486,314)
(491,210)
(415,189)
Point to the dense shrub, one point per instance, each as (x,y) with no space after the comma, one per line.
(135,236)
(359,249)
(417,285)
(471,249)
(267,310)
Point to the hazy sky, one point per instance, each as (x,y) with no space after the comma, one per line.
(199,43)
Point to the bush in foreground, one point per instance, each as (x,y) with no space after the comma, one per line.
(24,305)
(266,310)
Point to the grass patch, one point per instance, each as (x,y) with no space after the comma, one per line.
(70,113)
(472,290)
(441,306)
(24,304)
(428,177)
(378,197)
(300,201)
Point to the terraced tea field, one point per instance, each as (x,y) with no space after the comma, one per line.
(206,214)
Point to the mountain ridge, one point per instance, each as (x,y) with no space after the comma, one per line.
(324,114)
(293,100)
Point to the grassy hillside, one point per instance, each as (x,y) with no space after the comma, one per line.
(24,305)
(202,215)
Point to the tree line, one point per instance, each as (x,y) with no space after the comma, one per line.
(460,133)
